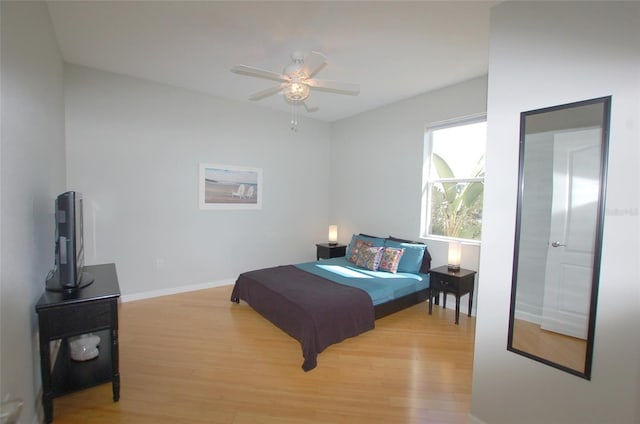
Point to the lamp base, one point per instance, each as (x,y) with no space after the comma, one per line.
(454,268)
(333,243)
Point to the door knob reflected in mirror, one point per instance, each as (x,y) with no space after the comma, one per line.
(557,244)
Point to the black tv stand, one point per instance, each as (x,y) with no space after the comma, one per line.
(53,284)
(92,309)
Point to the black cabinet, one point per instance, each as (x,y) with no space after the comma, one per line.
(92,309)
(327,251)
(457,282)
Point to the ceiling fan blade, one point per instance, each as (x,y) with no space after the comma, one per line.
(313,63)
(334,86)
(310,108)
(268,92)
(259,73)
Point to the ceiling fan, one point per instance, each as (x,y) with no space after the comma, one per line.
(297,79)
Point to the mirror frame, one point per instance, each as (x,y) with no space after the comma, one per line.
(606,114)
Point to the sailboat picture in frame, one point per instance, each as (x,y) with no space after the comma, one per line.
(229,187)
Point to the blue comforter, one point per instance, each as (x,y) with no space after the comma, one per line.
(381,286)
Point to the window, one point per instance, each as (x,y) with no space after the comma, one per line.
(453,179)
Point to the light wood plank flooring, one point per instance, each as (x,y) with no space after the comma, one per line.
(198,358)
(564,350)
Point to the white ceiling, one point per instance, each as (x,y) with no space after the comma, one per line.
(394,50)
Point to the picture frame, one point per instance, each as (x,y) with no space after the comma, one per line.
(224,187)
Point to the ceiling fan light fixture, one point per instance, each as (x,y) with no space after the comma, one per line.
(296,92)
(296,81)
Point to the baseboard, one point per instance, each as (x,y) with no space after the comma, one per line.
(38,413)
(528,312)
(471,419)
(174,290)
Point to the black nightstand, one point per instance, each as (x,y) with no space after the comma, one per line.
(457,282)
(327,251)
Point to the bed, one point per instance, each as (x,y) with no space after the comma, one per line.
(324,302)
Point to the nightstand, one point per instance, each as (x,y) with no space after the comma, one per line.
(457,282)
(327,251)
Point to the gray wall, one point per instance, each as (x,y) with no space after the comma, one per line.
(133,150)
(545,54)
(535,226)
(32,174)
(376,166)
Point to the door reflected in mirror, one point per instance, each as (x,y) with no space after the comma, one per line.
(562,170)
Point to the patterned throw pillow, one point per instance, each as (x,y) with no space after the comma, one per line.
(373,241)
(356,247)
(412,256)
(369,258)
(390,259)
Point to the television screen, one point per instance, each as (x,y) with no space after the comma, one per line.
(69,243)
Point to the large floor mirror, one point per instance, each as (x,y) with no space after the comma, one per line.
(556,267)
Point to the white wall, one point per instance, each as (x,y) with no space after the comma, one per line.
(535,224)
(376,166)
(133,150)
(32,174)
(544,54)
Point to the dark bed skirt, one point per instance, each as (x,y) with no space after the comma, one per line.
(388,308)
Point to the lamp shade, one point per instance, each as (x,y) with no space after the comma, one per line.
(455,255)
(333,234)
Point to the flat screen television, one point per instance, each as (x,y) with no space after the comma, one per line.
(68,273)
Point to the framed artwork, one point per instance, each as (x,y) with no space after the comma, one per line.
(229,187)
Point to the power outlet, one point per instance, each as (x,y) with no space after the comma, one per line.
(160,264)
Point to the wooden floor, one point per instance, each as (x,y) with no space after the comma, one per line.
(564,350)
(198,358)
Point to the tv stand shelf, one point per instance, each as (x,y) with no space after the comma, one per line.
(69,376)
(92,309)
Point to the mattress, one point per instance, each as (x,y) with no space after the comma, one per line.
(381,286)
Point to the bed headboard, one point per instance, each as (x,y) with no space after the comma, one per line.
(426,259)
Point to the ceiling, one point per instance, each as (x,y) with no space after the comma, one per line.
(394,50)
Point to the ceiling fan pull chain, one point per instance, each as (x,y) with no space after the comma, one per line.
(294,117)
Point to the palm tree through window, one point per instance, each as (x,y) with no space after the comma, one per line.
(453,179)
